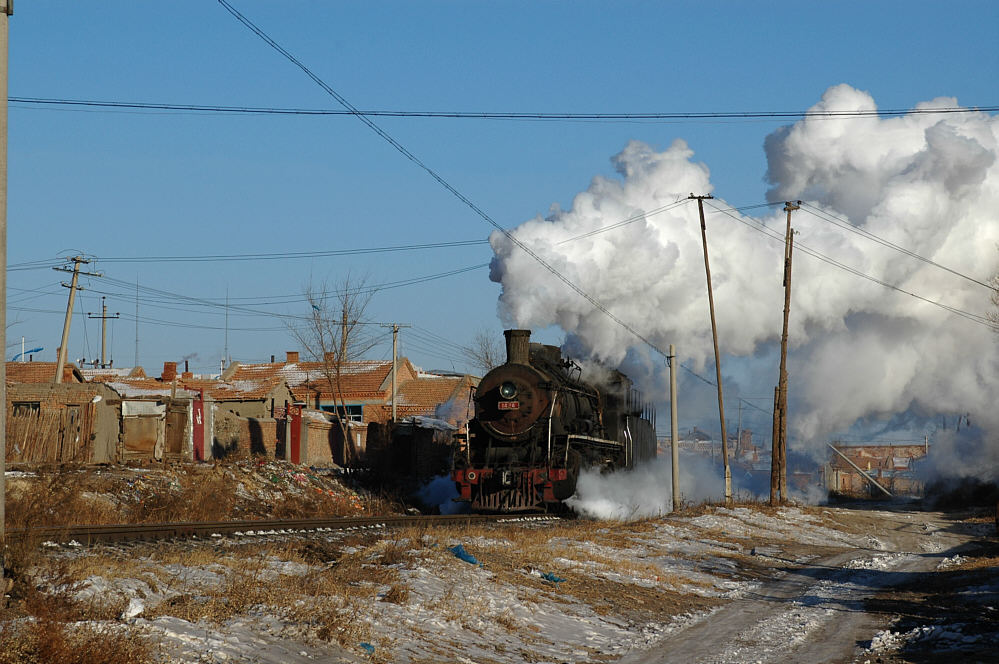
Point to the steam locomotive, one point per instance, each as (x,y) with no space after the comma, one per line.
(538,424)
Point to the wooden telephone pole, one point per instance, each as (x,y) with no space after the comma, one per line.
(714,336)
(778,459)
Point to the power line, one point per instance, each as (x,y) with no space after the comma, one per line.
(846,225)
(757,226)
(491,115)
(434,174)
(644,214)
(163,296)
(288,255)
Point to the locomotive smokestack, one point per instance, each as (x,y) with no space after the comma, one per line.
(518,343)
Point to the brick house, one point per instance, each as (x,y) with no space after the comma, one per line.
(366,394)
(890,465)
(68,422)
(206,417)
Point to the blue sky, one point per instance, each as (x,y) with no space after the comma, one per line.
(115,184)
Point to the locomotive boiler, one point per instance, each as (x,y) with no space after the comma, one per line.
(538,423)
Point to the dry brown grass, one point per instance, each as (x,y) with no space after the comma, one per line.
(57,498)
(50,641)
(60,495)
(42,621)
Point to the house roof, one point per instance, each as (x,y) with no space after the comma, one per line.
(243,389)
(365,379)
(146,387)
(213,388)
(431,390)
(96,374)
(40,372)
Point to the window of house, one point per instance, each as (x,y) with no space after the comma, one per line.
(354,412)
(26,407)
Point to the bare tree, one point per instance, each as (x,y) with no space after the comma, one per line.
(334,333)
(485,352)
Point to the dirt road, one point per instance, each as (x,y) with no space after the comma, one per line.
(830,608)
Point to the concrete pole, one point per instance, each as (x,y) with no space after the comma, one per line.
(104,333)
(395,365)
(61,362)
(7,10)
(287,431)
(714,336)
(674,427)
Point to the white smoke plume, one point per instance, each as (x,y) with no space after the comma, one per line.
(646,491)
(926,182)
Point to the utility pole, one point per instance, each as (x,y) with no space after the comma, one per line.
(738,431)
(73,287)
(104,330)
(395,363)
(7,8)
(225,351)
(136,362)
(714,336)
(674,427)
(780,409)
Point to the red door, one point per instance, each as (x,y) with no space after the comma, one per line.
(295,412)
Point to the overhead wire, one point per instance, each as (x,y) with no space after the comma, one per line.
(433,173)
(846,225)
(501,115)
(289,255)
(163,298)
(774,235)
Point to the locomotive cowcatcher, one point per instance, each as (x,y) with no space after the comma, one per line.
(538,424)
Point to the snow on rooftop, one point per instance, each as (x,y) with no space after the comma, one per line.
(147,389)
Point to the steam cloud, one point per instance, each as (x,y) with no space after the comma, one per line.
(926,182)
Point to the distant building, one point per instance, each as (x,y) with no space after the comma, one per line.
(364,395)
(890,465)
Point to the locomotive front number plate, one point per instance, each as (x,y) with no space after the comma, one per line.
(509,405)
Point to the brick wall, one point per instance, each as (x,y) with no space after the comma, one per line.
(49,423)
(242,437)
(317,450)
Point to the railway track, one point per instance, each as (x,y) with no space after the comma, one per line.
(94,534)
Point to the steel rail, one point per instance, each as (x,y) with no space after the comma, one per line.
(92,534)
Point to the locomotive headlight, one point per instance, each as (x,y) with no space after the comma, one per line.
(508,390)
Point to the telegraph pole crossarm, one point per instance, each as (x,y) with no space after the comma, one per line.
(395,362)
(73,286)
(104,318)
(714,336)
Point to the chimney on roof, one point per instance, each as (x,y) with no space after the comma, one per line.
(272,359)
(291,357)
(186,369)
(518,345)
(329,356)
(169,371)
(67,374)
(187,375)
